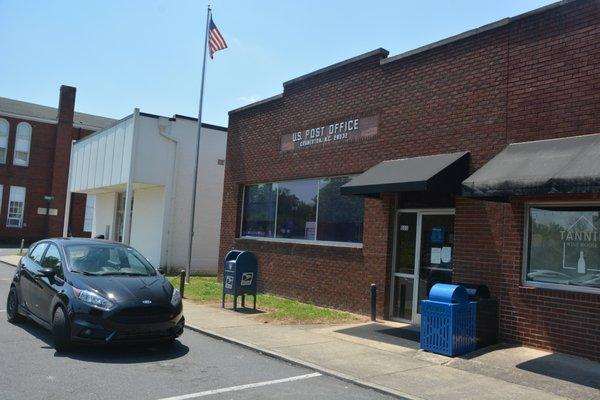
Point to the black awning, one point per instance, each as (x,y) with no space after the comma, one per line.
(553,166)
(439,173)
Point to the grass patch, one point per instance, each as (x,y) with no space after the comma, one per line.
(291,311)
(206,289)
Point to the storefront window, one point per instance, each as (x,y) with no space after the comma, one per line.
(311,209)
(259,210)
(564,247)
(297,210)
(340,217)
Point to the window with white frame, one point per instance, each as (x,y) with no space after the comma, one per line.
(16,207)
(88,221)
(4,129)
(563,247)
(302,210)
(22,144)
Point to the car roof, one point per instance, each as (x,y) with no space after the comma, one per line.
(75,240)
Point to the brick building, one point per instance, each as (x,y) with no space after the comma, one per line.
(459,161)
(35,146)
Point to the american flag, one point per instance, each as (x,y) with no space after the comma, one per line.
(215,39)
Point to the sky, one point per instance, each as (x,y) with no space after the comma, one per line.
(123,54)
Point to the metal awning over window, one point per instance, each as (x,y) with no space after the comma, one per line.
(554,166)
(439,173)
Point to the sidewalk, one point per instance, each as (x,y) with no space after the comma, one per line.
(10,259)
(386,356)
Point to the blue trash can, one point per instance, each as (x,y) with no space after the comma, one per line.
(448,321)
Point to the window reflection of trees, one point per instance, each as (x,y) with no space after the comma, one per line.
(296,217)
(554,256)
(546,246)
(259,210)
(50,262)
(292,206)
(340,217)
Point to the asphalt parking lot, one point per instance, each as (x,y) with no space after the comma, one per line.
(195,367)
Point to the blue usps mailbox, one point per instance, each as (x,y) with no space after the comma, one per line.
(240,273)
(448,320)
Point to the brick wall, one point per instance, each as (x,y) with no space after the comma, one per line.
(536,77)
(551,319)
(44,176)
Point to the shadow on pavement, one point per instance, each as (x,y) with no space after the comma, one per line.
(112,354)
(406,336)
(553,365)
(566,368)
(248,311)
(488,349)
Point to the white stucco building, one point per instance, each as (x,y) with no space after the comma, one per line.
(140,171)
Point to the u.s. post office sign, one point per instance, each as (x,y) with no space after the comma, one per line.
(345,130)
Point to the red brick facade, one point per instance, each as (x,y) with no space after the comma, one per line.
(46,174)
(535,77)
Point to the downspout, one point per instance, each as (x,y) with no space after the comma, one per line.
(168,215)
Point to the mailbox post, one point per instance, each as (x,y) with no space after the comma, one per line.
(240,273)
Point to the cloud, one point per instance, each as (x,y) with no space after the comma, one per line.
(248,99)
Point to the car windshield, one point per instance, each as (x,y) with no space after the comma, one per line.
(107,259)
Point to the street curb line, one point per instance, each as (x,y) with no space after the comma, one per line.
(8,263)
(306,364)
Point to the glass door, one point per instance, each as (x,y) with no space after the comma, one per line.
(422,257)
(436,254)
(405,260)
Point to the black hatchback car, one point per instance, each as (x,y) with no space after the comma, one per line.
(94,291)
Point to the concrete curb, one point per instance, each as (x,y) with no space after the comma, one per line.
(306,364)
(8,263)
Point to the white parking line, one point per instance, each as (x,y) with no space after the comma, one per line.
(242,387)
(2,310)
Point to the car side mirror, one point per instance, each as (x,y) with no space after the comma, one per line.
(47,272)
(162,270)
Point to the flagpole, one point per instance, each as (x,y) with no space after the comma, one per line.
(198,136)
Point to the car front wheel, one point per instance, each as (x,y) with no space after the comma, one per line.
(61,330)
(12,306)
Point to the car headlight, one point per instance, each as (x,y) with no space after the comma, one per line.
(175,298)
(93,299)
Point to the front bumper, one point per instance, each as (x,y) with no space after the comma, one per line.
(89,325)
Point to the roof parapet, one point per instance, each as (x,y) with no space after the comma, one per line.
(473,32)
(204,124)
(380,51)
(257,103)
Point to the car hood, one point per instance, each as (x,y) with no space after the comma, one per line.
(127,288)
